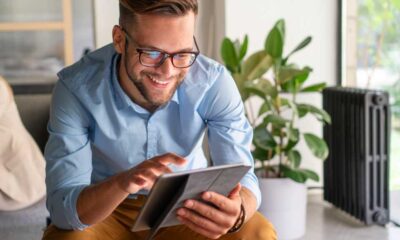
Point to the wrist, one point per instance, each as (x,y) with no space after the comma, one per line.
(122,183)
(239,221)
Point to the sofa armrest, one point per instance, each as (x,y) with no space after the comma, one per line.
(33,103)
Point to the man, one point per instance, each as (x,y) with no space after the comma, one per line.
(130,112)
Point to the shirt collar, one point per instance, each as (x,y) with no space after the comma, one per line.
(175,97)
(122,100)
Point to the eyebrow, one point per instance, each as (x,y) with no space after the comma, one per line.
(150,47)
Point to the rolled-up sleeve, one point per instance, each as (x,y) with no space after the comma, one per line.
(68,157)
(229,132)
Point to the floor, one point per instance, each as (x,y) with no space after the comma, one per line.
(26,224)
(329,223)
(324,222)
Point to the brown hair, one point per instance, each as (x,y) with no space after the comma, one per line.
(128,9)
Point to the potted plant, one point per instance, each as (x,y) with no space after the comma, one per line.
(276,81)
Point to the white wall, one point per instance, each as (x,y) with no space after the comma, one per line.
(307,17)
(106,15)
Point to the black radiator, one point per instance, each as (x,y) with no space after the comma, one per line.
(356,173)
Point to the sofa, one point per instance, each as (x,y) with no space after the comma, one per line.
(33,102)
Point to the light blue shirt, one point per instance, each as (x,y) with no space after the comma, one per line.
(97,131)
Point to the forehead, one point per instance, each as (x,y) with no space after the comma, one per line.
(171,33)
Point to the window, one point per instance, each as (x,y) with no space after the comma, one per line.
(371,59)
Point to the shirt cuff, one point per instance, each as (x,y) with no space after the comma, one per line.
(70,201)
(62,207)
(250,182)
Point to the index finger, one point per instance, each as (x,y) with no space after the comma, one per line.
(167,158)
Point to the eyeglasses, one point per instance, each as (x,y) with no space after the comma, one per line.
(155,58)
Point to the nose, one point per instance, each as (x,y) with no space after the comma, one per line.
(167,68)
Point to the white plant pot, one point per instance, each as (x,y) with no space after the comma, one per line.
(284,203)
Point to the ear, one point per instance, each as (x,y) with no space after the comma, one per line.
(118,39)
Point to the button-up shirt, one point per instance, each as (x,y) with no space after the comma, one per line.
(96,130)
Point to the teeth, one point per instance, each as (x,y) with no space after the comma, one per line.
(158,81)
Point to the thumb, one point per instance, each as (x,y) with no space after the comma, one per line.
(235,191)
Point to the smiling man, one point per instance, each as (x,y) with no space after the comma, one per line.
(133,110)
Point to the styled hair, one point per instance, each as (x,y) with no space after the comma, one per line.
(128,9)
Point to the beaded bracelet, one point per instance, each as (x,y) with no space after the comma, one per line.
(240,220)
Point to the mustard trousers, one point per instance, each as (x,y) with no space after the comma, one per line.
(118,224)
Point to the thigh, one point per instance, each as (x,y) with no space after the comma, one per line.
(115,227)
(110,229)
(257,228)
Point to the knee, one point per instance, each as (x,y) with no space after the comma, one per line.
(54,233)
(257,228)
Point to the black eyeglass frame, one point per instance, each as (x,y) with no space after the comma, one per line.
(165,54)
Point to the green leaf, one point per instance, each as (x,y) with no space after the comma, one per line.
(295,75)
(294,157)
(274,43)
(317,145)
(236,44)
(268,88)
(228,54)
(310,174)
(240,81)
(287,73)
(263,138)
(256,65)
(293,134)
(293,174)
(262,154)
(261,87)
(314,88)
(289,86)
(320,114)
(284,102)
(280,24)
(302,110)
(298,175)
(301,78)
(243,48)
(231,69)
(264,108)
(302,45)
(278,131)
(253,89)
(276,120)
(294,137)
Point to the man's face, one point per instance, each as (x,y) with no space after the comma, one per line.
(154,86)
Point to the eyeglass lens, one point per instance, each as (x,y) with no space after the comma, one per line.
(154,58)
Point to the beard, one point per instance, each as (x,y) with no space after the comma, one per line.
(155,97)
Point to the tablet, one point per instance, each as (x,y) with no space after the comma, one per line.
(171,189)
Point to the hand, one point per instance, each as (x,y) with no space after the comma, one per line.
(209,221)
(145,174)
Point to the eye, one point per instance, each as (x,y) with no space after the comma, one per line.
(182,56)
(152,54)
